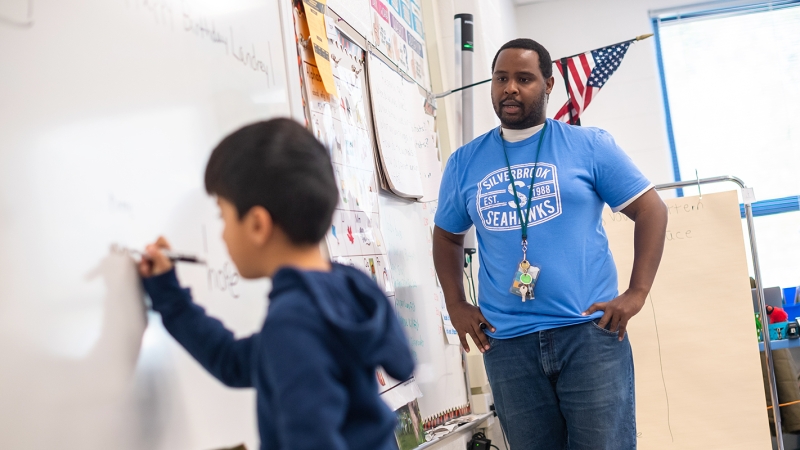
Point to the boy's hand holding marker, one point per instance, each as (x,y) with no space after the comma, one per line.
(154,261)
(157,258)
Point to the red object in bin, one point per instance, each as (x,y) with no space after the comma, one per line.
(776,315)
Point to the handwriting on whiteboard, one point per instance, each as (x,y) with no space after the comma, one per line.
(165,13)
(225,279)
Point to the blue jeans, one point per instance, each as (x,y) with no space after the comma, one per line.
(565,388)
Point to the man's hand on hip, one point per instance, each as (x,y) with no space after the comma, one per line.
(650,215)
(619,311)
(467,319)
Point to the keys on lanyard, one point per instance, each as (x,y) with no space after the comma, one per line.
(525,278)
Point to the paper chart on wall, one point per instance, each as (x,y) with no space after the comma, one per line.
(342,125)
(393,112)
(397,33)
(427,148)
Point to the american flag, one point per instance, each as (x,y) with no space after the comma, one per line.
(586,74)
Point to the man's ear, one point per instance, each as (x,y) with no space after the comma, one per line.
(550,83)
(258,225)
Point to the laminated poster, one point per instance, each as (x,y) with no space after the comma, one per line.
(396,36)
(315,17)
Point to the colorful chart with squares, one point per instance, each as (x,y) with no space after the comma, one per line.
(342,125)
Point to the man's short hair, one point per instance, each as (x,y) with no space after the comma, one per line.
(545,63)
(279,165)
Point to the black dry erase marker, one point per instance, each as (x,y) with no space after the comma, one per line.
(174,256)
(182,257)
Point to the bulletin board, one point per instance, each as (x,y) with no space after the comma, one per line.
(384,146)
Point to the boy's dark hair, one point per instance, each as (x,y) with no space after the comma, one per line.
(545,63)
(279,165)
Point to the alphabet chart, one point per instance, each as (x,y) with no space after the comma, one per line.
(397,33)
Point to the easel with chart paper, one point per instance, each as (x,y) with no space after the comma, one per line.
(698,381)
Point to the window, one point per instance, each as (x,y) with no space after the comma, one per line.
(732,91)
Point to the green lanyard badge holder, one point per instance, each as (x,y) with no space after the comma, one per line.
(527,274)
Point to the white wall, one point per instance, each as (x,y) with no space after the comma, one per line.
(630,105)
(494,25)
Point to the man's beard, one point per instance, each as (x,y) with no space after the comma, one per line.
(532,113)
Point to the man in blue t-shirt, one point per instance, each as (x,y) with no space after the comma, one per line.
(556,352)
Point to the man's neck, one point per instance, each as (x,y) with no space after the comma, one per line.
(512,135)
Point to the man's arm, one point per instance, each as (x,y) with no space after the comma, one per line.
(448,258)
(650,215)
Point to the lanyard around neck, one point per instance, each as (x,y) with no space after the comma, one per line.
(524,220)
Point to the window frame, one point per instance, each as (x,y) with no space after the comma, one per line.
(708,10)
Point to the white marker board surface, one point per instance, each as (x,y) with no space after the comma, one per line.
(407,228)
(698,372)
(109,110)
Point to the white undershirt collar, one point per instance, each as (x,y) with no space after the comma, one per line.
(510,135)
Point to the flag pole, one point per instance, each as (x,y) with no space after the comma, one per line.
(636,39)
(446,93)
(453,91)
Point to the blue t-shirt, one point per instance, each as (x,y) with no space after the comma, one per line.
(580,169)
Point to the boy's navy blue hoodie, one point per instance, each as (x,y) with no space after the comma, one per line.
(313,363)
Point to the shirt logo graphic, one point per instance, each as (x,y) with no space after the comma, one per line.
(495,197)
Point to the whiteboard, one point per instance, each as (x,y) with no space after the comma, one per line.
(407,228)
(109,110)
(698,372)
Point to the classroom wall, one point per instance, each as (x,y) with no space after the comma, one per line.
(494,25)
(630,106)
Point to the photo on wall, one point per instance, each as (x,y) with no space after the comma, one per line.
(409,432)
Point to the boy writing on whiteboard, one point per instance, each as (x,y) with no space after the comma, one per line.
(328,326)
